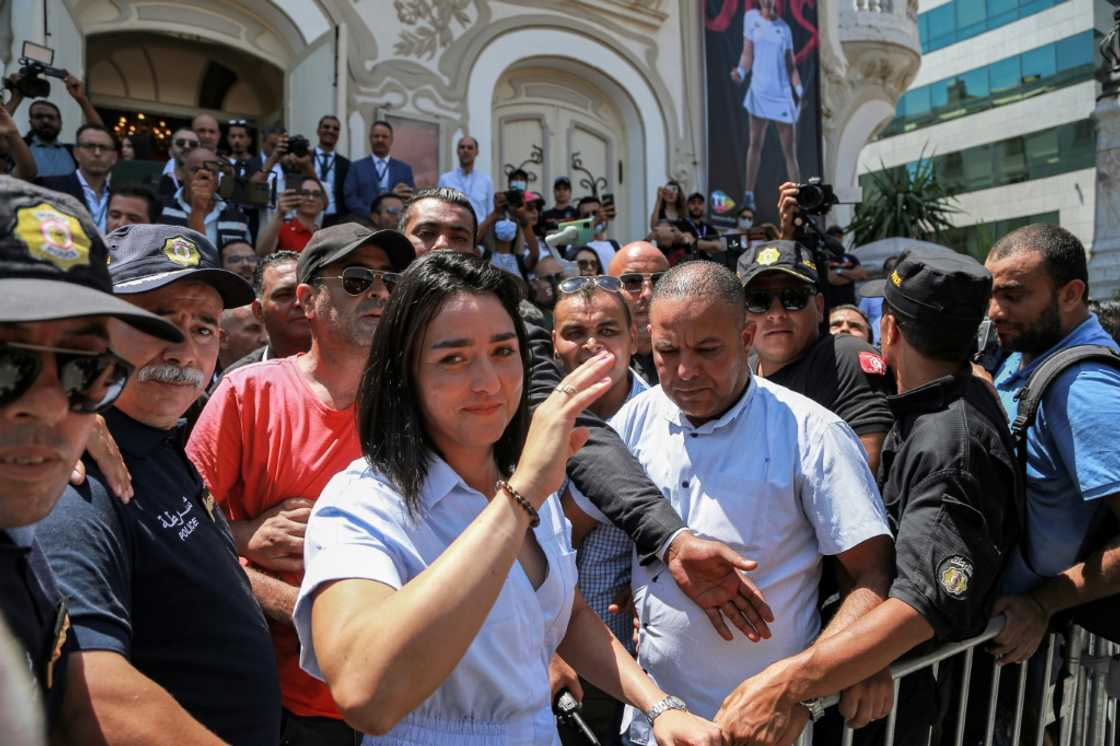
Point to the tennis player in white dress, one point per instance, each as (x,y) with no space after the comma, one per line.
(775,92)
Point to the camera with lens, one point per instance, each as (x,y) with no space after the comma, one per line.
(815,197)
(35,63)
(299,146)
(515,198)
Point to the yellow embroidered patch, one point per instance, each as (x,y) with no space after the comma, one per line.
(182,251)
(53,236)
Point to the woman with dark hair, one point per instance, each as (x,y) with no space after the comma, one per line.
(587,260)
(439,571)
(670,205)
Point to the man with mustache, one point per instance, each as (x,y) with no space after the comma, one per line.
(275,432)
(172,648)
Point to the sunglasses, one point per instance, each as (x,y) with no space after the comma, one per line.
(358,280)
(633,282)
(239,123)
(92,380)
(792,299)
(575,284)
(186,144)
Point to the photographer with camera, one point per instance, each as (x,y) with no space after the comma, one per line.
(198,205)
(508,229)
(304,205)
(44,119)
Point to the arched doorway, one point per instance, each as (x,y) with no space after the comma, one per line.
(138,80)
(553,84)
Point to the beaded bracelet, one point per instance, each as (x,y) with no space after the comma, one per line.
(534,517)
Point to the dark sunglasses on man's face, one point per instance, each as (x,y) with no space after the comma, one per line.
(575,284)
(792,299)
(184,144)
(358,280)
(91,380)
(633,282)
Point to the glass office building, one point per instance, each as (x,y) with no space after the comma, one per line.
(1002,107)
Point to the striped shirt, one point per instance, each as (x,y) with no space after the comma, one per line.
(603,559)
(225,224)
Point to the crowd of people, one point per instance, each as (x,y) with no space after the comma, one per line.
(373,463)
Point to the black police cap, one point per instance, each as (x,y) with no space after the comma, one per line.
(789,257)
(944,288)
(53,263)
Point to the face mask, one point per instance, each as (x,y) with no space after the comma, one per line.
(505,230)
(600,227)
(746,223)
(520,186)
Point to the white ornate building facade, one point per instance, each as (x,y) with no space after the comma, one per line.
(620,82)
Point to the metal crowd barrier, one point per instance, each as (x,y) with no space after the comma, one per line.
(1086,694)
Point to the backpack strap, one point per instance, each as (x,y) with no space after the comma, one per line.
(1030,396)
(1030,399)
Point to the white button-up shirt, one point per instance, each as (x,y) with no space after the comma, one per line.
(782,481)
(97,204)
(326,175)
(498,693)
(381,171)
(476,185)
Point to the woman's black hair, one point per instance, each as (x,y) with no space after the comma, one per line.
(391,427)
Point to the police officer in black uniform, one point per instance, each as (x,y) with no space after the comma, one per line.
(159,603)
(843,374)
(56,371)
(951,486)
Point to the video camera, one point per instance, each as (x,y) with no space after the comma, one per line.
(35,62)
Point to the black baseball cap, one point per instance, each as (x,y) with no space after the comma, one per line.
(53,263)
(777,256)
(328,245)
(696,195)
(947,289)
(562,181)
(147,257)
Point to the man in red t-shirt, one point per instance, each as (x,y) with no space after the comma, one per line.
(275,432)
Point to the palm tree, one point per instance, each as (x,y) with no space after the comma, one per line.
(904,203)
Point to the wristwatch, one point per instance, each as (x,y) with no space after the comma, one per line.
(669,703)
(815,707)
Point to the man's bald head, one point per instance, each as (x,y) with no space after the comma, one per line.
(639,256)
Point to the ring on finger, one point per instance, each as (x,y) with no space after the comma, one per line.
(566,388)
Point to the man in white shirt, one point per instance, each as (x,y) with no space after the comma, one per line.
(777,477)
(468,180)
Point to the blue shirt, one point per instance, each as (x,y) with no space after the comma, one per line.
(52,159)
(872,308)
(1072,460)
(498,692)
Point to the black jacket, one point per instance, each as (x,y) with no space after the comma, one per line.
(67,184)
(604,469)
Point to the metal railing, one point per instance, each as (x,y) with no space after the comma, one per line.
(1087,692)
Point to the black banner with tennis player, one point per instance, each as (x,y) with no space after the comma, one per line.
(763,103)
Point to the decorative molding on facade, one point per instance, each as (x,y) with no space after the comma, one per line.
(429,25)
(645,12)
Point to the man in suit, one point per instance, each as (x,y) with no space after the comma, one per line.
(95,150)
(331,168)
(379,173)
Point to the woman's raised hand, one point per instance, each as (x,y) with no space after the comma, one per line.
(553,437)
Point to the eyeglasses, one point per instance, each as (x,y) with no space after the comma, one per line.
(186,144)
(792,299)
(633,282)
(243,259)
(92,380)
(239,123)
(394,211)
(588,263)
(575,284)
(358,280)
(95,147)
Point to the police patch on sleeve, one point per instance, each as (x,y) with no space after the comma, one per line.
(954,574)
